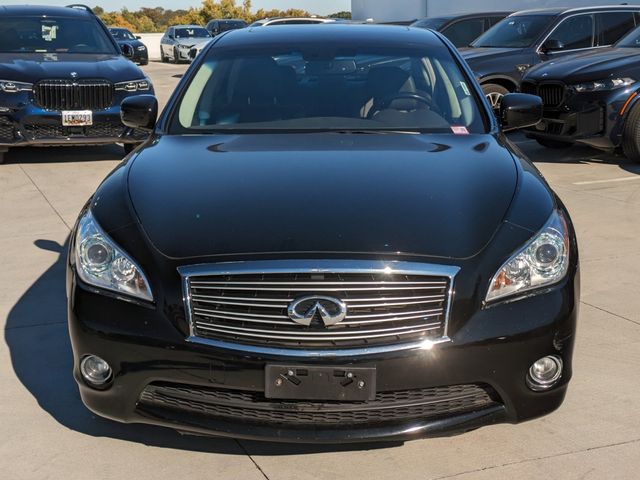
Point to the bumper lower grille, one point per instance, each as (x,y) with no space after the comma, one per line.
(382,307)
(97,130)
(552,94)
(74,95)
(7,131)
(254,407)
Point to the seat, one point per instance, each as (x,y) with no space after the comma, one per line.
(384,82)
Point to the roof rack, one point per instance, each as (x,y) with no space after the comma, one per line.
(80,6)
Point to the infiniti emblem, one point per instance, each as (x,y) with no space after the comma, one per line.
(330,310)
(74,74)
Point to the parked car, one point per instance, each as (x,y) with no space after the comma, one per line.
(125,37)
(269,22)
(505,52)
(350,250)
(219,25)
(590,98)
(462,30)
(62,78)
(178,41)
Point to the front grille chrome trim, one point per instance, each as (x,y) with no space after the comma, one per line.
(188,273)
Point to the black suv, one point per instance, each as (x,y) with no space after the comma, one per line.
(461,30)
(62,78)
(124,37)
(218,26)
(504,53)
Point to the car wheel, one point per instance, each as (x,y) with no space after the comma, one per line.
(176,56)
(494,94)
(557,144)
(631,135)
(163,57)
(2,154)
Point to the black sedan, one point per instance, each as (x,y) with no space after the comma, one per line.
(125,37)
(591,98)
(349,250)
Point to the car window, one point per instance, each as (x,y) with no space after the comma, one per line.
(196,32)
(432,23)
(515,32)
(630,40)
(575,32)
(494,20)
(329,88)
(119,34)
(614,25)
(464,32)
(53,35)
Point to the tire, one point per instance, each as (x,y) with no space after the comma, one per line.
(176,56)
(2,154)
(494,94)
(555,144)
(163,57)
(631,135)
(144,62)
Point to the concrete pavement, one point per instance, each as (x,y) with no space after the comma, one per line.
(47,433)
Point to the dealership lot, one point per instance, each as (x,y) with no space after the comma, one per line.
(48,433)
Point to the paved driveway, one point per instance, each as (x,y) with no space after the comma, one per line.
(45,432)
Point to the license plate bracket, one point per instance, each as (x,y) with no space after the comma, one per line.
(297,382)
(77,118)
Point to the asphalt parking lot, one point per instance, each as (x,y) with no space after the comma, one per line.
(47,433)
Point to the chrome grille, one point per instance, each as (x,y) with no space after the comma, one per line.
(248,304)
(74,95)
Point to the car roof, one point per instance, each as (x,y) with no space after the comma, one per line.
(566,11)
(467,15)
(40,10)
(340,33)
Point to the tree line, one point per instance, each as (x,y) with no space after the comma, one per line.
(157,19)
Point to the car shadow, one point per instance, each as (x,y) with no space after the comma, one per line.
(36,155)
(38,340)
(577,154)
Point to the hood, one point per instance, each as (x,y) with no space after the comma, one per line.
(487,53)
(32,67)
(435,195)
(134,43)
(193,42)
(594,65)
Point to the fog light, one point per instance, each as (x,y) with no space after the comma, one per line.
(95,370)
(544,373)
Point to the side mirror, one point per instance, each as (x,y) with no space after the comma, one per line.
(138,37)
(127,50)
(140,111)
(551,45)
(519,110)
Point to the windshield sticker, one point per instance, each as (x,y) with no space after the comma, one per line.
(459,130)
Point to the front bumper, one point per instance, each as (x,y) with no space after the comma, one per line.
(146,348)
(592,118)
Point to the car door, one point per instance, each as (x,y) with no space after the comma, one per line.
(573,33)
(612,26)
(463,32)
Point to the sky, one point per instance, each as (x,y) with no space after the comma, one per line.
(321,7)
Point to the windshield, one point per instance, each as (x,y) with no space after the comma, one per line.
(192,33)
(515,32)
(122,34)
(432,23)
(53,35)
(631,40)
(324,89)
(224,26)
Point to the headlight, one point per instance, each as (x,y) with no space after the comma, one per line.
(141,48)
(600,85)
(142,85)
(541,262)
(100,262)
(9,86)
